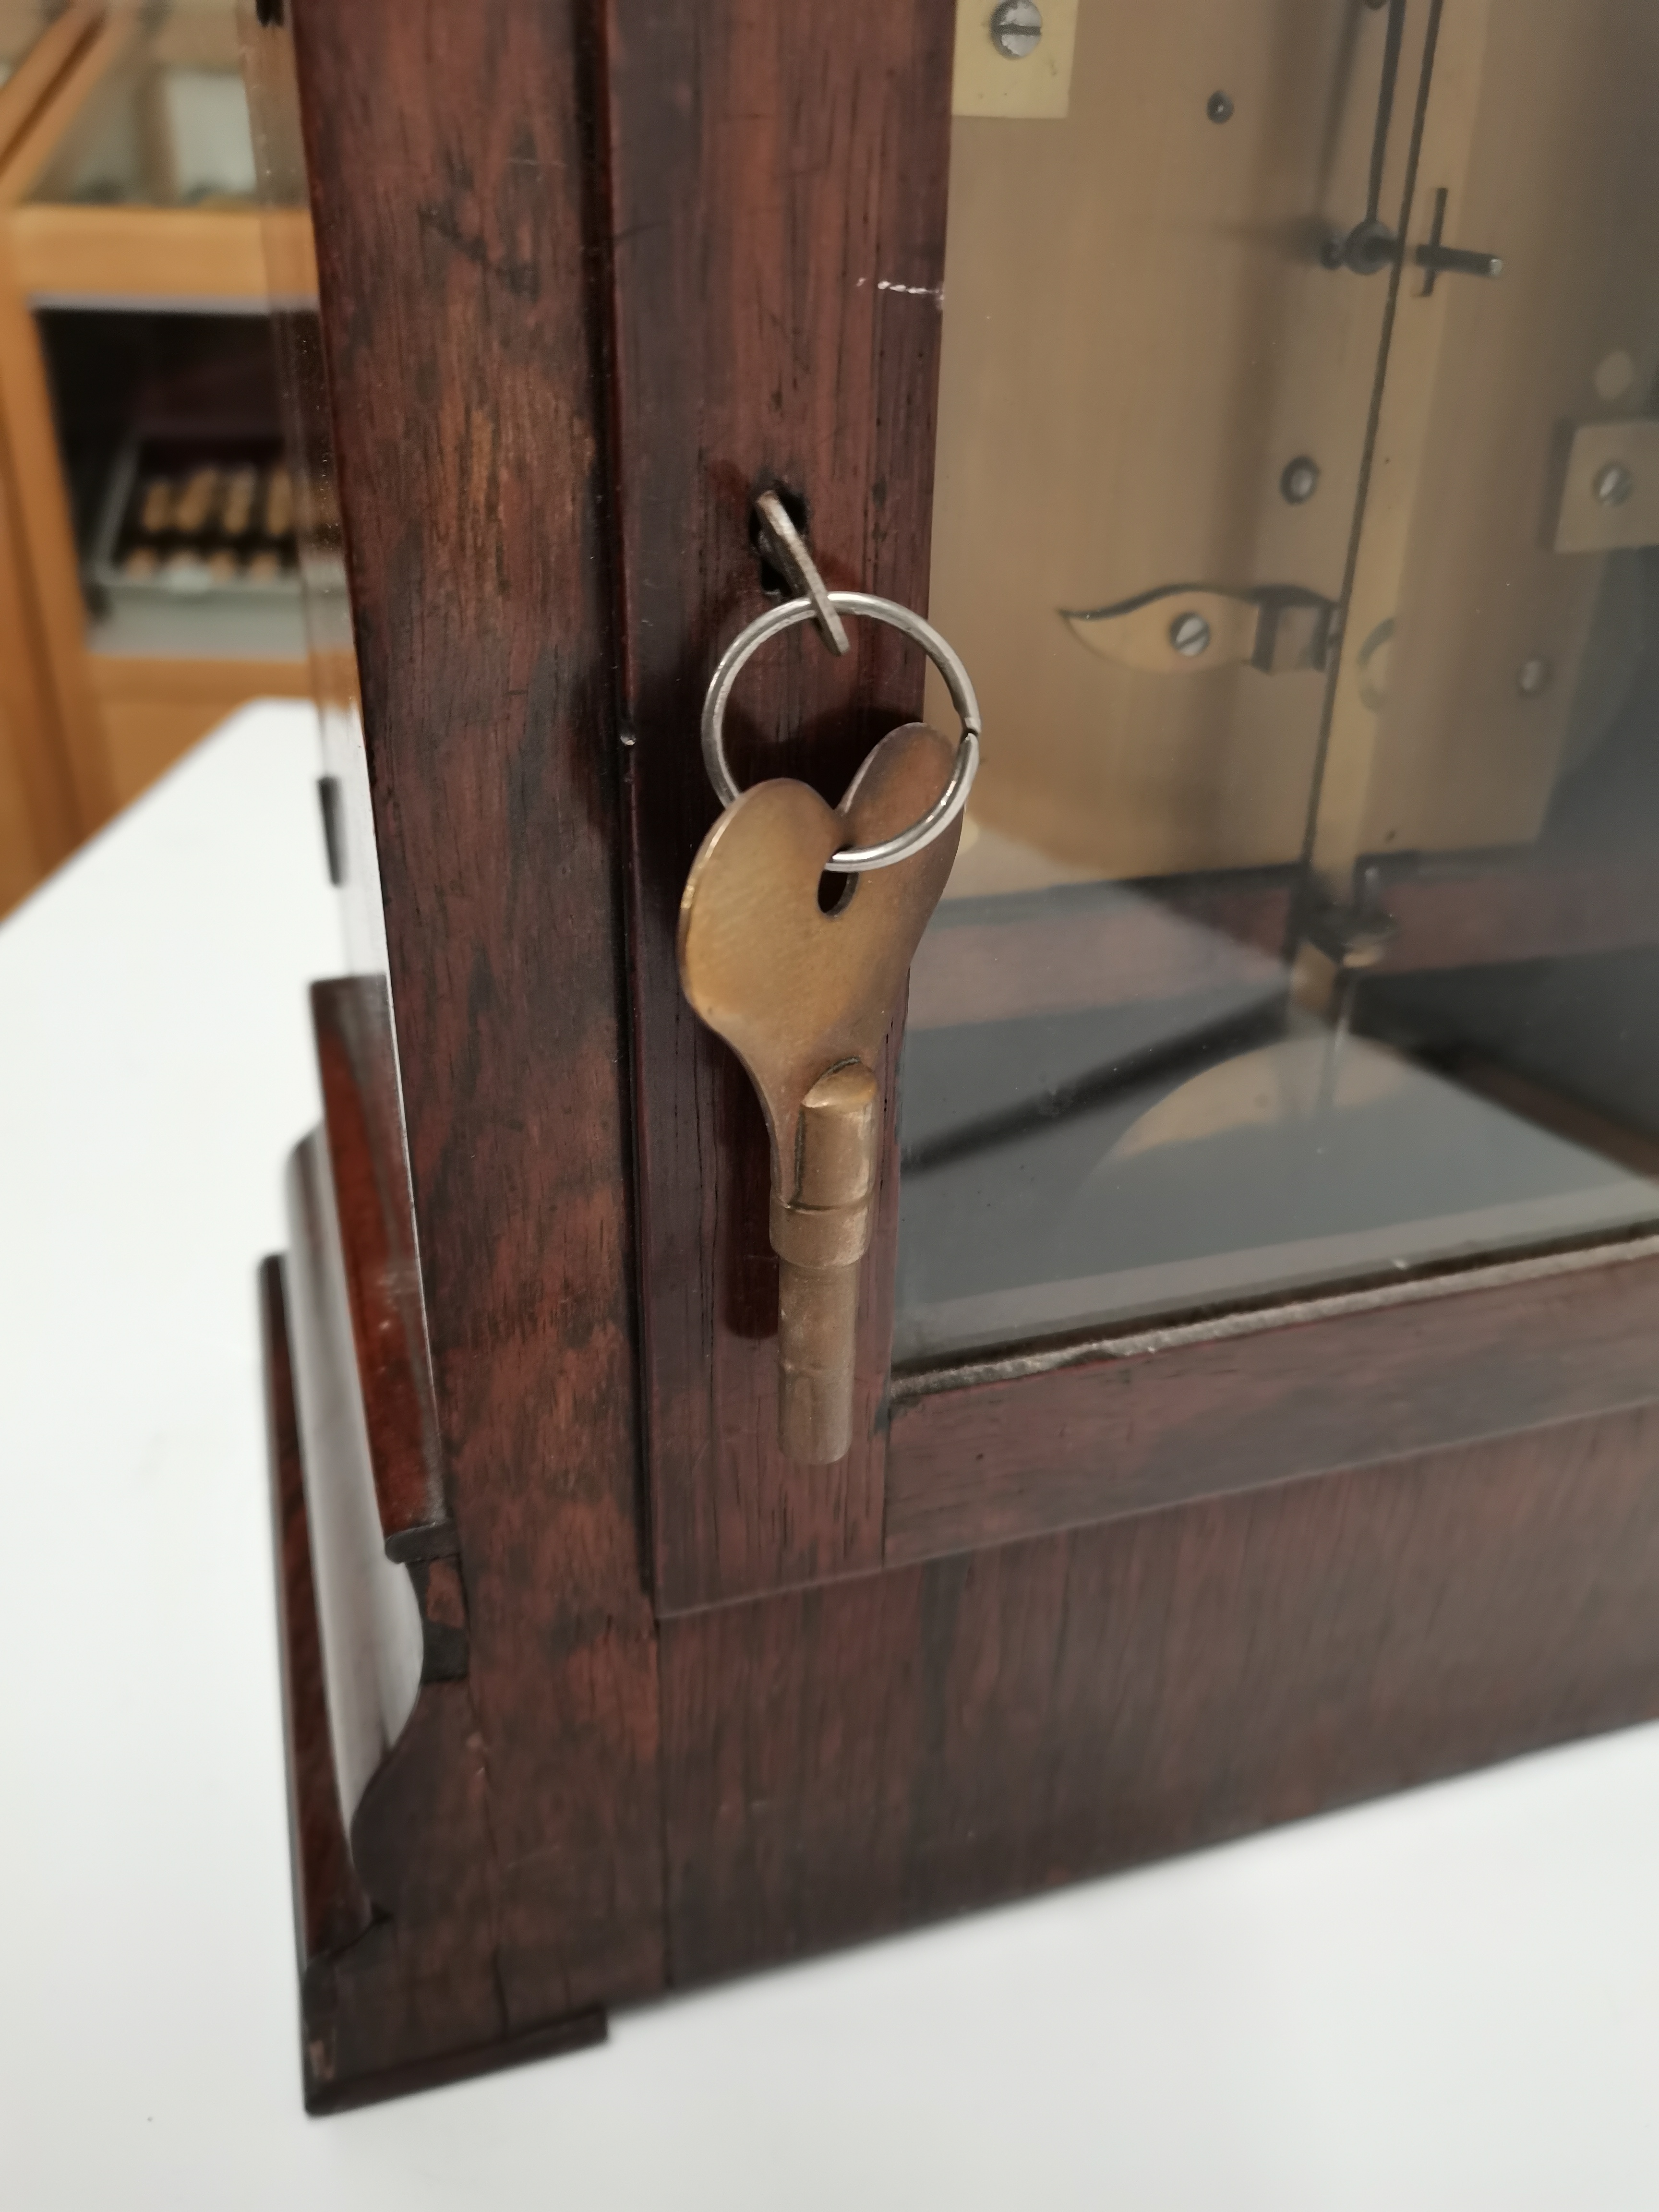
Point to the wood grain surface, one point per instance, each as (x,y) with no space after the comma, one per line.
(382,2001)
(778,181)
(362,1116)
(456,240)
(1340,1382)
(330,1907)
(850,1759)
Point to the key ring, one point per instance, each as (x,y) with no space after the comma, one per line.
(851,860)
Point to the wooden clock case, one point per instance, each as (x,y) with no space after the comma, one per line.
(592,272)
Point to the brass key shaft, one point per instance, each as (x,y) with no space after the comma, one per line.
(820,1235)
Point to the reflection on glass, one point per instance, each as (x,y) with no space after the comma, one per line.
(180,492)
(1300,370)
(168,125)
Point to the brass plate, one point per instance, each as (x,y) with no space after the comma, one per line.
(1588,524)
(1036,88)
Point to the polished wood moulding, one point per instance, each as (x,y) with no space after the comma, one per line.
(1167,1415)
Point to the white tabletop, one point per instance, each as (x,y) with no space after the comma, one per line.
(1448,2000)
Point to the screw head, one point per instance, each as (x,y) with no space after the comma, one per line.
(1015,29)
(1189,633)
(1300,480)
(1532,678)
(1370,248)
(1613,485)
(1219,107)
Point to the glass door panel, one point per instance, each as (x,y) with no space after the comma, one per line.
(1298,484)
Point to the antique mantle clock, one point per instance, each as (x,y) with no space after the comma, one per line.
(1141,515)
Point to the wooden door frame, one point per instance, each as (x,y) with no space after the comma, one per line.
(817,344)
(760,214)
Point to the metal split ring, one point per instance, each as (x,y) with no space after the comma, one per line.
(853,859)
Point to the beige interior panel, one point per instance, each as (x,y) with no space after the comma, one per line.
(1563,182)
(1138,336)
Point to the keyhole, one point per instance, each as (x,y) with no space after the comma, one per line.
(835,890)
(773,580)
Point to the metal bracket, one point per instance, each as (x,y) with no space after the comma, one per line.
(1440,260)
(1610,493)
(786,549)
(1182,629)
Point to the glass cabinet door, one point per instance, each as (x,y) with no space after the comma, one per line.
(1297,484)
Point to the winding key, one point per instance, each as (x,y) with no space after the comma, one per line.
(804,997)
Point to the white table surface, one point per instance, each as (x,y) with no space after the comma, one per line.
(1447,2000)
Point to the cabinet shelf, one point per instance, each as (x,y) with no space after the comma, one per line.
(134,258)
(184,257)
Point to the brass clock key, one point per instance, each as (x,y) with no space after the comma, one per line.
(804,997)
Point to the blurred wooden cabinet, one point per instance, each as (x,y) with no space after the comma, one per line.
(134,339)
